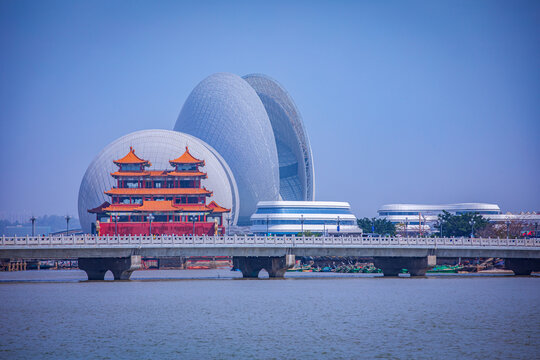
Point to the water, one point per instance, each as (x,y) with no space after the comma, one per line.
(338,318)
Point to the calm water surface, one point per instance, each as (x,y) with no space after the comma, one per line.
(321,318)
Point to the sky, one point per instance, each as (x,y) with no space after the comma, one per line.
(403,101)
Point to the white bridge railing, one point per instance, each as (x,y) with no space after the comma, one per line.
(249,241)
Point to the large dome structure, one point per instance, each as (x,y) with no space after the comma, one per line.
(225,111)
(296,174)
(157,146)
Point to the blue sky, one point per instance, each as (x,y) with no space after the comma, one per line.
(404,101)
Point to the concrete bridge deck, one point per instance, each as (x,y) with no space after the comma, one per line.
(388,252)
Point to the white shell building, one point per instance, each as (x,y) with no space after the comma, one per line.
(254,124)
(294,217)
(296,174)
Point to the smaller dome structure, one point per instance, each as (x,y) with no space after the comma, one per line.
(156,149)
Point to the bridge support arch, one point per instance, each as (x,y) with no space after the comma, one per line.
(121,267)
(392,265)
(250,266)
(522,266)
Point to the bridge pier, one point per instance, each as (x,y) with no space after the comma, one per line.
(276,266)
(121,268)
(392,265)
(522,266)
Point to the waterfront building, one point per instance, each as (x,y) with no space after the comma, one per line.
(295,217)
(421,218)
(159,146)
(159,201)
(253,123)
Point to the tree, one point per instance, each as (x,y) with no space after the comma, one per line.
(513,230)
(461,225)
(377,226)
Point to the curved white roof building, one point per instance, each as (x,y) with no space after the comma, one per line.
(402,211)
(293,217)
(158,146)
(421,217)
(296,173)
(254,124)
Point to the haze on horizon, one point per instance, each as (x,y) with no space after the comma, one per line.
(403,102)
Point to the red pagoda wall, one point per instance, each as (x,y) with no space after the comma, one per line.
(158,228)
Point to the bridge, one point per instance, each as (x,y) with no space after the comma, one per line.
(122,254)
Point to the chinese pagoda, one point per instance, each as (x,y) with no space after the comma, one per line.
(159,202)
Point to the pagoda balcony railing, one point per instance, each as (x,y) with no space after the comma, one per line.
(258,241)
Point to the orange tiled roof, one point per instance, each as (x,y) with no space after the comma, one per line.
(168,206)
(158,173)
(99,209)
(131,158)
(186,173)
(130,173)
(153,173)
(158,206)
(186,158)
(162,191)
(216,208)
(121,207)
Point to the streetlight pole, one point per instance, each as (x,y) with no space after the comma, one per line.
(67,224)
(324,227)
(266,225)
(33,220)
(150,218)
(472,228)
(116,224)
(507,228)
(338,221)
(302,222)
(228,232)
(441,228)
(194,225)
(406,227)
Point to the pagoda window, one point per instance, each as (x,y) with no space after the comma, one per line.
(137,200)
(124,200)
(168,198)
(185,183)
(192,200)
(147,198)
(170,184)
(158,184)
(131,167)
(131,184)
(148,184)
(159,198)
(186,167)
(160,218)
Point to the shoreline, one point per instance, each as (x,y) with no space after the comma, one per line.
(75,275)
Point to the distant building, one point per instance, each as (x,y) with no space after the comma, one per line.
(422,218)
(294,217)
(159,201)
